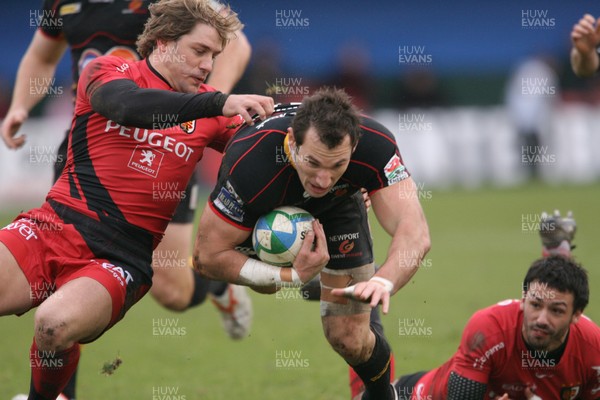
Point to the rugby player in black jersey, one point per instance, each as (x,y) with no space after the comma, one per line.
(318,157)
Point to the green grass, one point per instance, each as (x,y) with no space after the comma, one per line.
(480,253)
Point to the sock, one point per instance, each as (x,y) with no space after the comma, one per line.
(375,372)
(50,371)
(356,384)
(201,288)
(217,287)
(69,390)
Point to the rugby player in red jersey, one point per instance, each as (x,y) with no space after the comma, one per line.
(84,257)
(90,29)
(541,347)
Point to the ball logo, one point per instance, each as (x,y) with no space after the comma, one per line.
(346,246)
(303,234)
(278,235)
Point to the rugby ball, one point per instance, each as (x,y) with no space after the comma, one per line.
(278,235)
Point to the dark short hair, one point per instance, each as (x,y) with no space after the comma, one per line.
(563,274)
(331,113)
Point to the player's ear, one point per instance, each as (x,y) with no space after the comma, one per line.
(576,315)
(291,139)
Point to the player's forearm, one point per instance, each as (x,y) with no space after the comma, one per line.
(230,65)
(235,267)
(127,104)
(222,265)
(407,250)
(584,65)
(31,85)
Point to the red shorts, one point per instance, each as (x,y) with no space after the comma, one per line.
(52,252)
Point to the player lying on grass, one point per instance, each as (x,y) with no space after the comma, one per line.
(541,347)
(84,257)
(330,154)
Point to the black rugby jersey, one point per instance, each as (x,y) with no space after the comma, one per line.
(256,174)
(95,27)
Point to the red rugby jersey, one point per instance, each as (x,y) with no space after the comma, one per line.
(492,351)
(133,175)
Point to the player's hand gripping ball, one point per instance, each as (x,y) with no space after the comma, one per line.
(278,235)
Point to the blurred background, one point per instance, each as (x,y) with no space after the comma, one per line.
(464,86)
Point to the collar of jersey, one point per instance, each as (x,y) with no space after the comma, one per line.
(286,149)
(156,73)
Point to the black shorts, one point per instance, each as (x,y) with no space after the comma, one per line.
(348,234)
(184,213)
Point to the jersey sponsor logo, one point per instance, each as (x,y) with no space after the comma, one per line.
(340,190)
(121,275)
(344,237)
(135,7)
(569,393)
(260,125)
(124,67)
(480,361)
(87,56)
(24,226)
(229,203)
(124,52)
(68,9)
(541,375)
(513,387)
(346,246)
(394,170)
(188,127)
(153,138)
(146,161)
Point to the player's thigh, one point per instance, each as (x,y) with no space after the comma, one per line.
(171,261)
(80,310)
(344,318)
(175,247)
(15,293)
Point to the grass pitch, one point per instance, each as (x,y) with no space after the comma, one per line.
(483,242)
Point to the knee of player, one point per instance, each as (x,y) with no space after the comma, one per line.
(200,263)
(174,300)
(347,343)
(51,332)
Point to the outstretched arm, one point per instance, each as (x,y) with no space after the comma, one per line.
(34,75)
(585,38)
(399,212)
